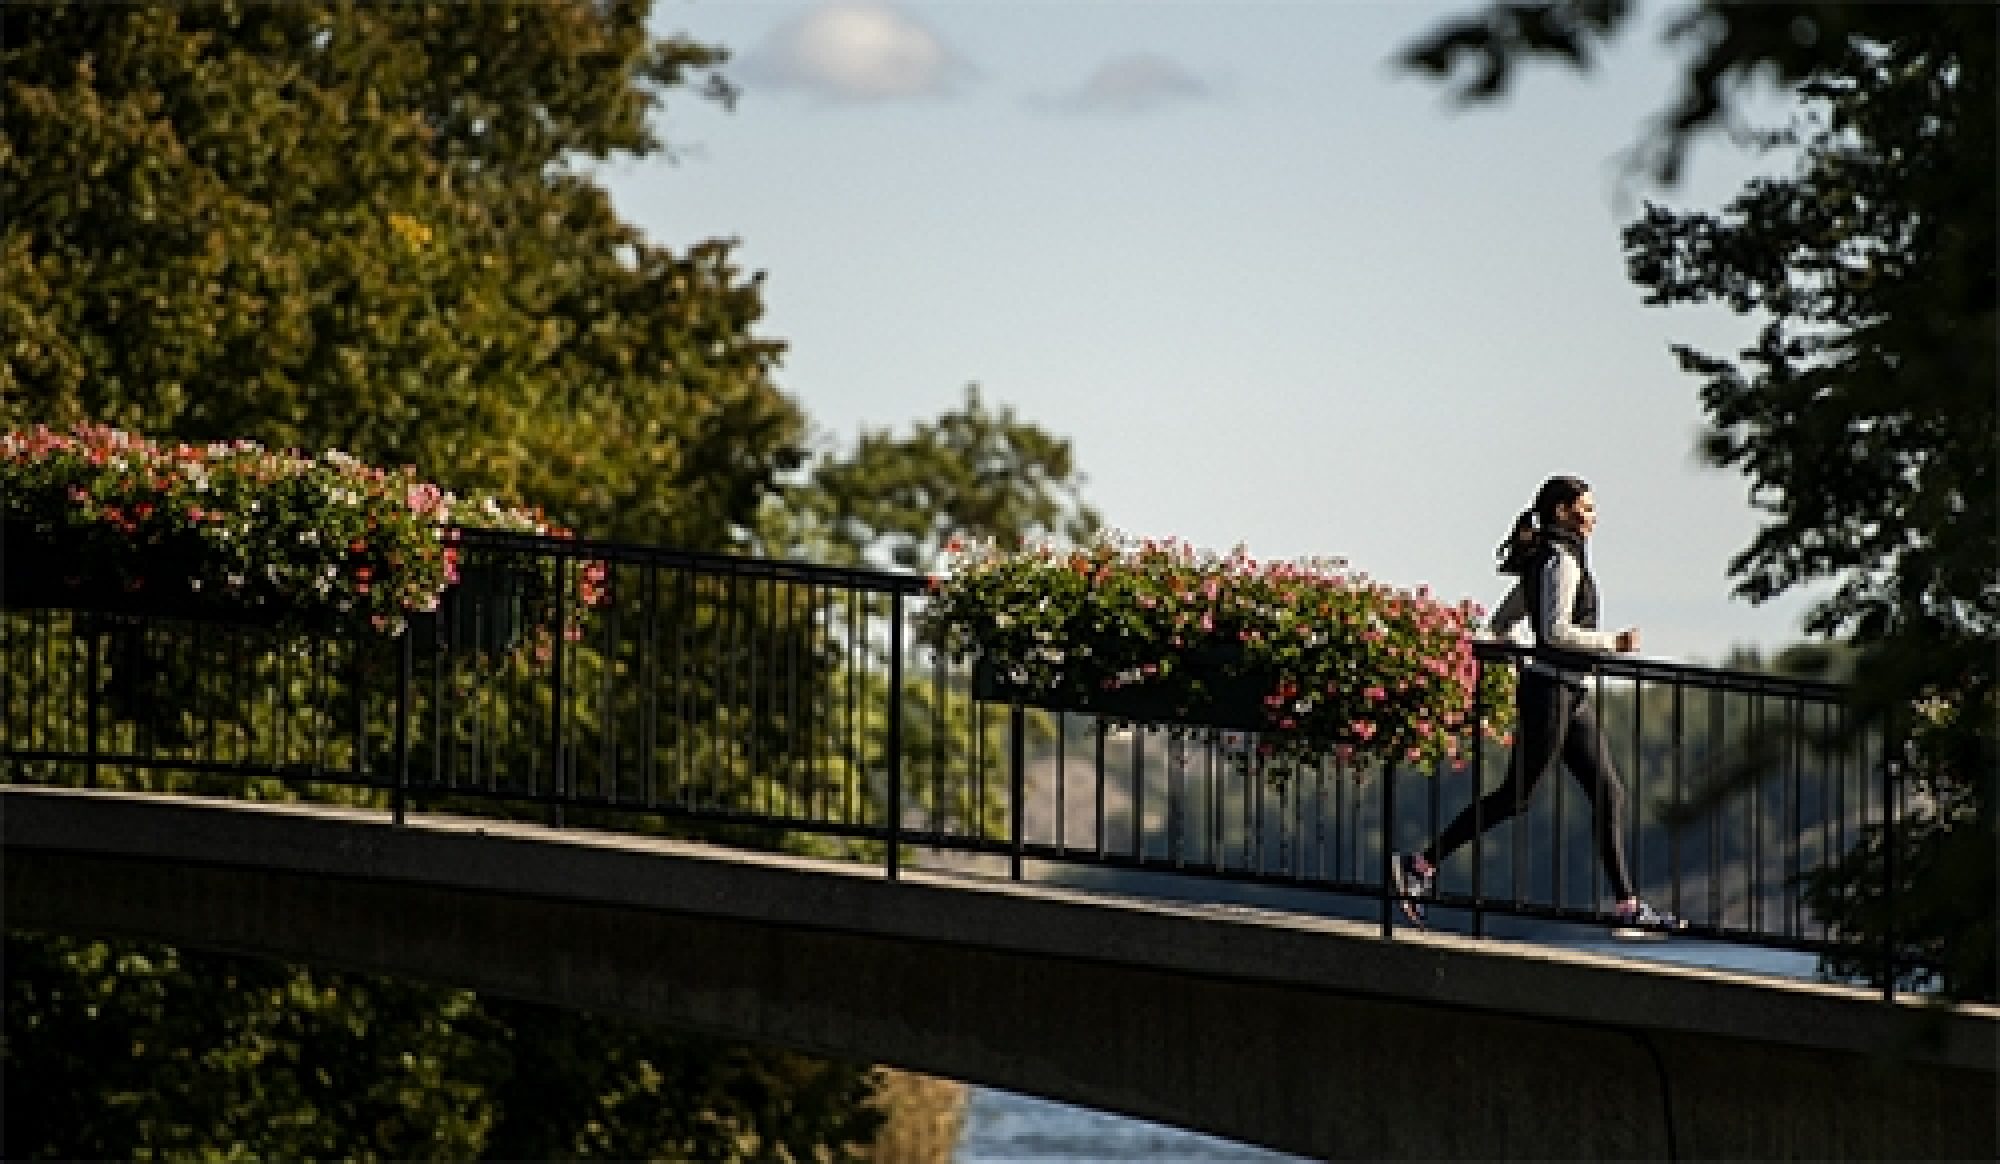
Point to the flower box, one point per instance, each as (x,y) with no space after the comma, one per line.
(101,519)
(1319,659)
(1202,693)
(37,572)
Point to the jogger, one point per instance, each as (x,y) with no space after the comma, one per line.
(1557,596)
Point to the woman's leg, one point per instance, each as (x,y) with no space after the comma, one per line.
(1585,754)
(1537,740)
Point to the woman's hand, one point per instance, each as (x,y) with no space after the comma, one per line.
(1628,639)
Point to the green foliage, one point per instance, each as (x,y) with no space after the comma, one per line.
(127,1051)
(974,471)
(372,227)
(1864,415)
(1727,45)
(130,1050)
(1926,888)
(375,228)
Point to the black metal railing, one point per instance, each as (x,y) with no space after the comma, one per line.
(783,705)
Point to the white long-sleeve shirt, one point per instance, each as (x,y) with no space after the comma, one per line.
(1559,578)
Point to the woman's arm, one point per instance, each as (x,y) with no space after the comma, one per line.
(1560,579)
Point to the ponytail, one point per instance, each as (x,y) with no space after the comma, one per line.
(1519,546)
(1532,528)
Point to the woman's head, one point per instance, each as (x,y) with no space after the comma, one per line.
(1562,503)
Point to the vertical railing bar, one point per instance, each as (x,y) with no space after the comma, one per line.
(1557,814)
(1320,854)
(1678,761)
(93,705)
(750,791)
(1636,809)
(1217,773)
(1299,817)
(798,785)
(1253,771)
(811,715)
(649,685)
(559,678)
(441,769)
(856,742)
(941,777)
(941,716)
(279,689)
(1823,761)
(1062,782)
(210,734)
(1841,744)
(1892,757)
(608,716)
(1099,722)
(893,863)
(1017,765)
(1262,819)
(825,677)
(1795,725)
(1386,847)
(1756,863)
(1138,802)
(731,708)
(405,680)
(1718,707)
(1479,798)
(1343,822)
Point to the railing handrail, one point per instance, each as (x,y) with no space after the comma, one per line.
(1648,667)
(747,565)
(1611,666)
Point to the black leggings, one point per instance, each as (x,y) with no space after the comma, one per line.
(1555,718)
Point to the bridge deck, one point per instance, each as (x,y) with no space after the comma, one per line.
(1265,1026)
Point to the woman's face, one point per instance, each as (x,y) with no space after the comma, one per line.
(1580,516)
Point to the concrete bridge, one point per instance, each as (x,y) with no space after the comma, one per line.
(1310,1035)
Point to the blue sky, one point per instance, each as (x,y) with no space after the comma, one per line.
(1274,290)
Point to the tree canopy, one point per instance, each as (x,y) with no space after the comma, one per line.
(374,227)
(1863,415)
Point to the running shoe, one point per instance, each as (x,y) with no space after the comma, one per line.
(1415,878)
(1644,918)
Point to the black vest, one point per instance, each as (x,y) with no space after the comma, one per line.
(1582,612)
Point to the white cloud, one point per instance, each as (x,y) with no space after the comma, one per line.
(1133,83)
(853,50)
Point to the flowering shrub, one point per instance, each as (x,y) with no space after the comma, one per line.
(1349,667)
(232,528)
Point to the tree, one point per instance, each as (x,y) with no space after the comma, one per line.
(974,472)
(1864,414)
(118,1051)
(373,226)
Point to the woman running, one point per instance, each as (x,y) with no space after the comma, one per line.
(1558,597)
